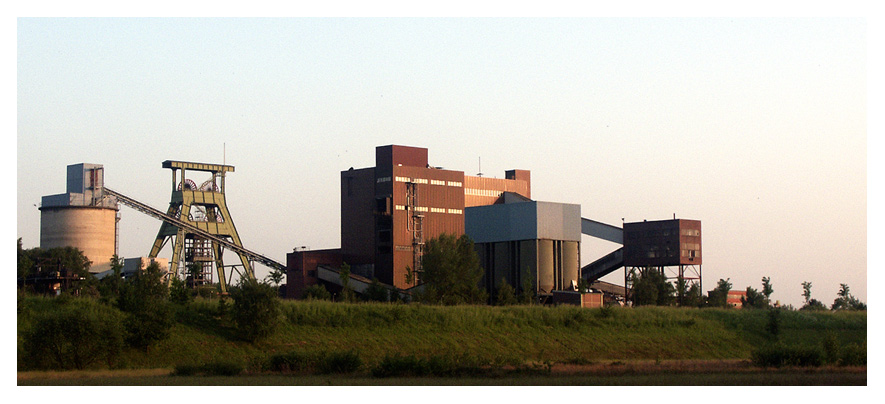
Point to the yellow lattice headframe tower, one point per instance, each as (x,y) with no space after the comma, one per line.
(204,207)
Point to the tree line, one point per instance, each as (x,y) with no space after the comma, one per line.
(94,320)
(651,288)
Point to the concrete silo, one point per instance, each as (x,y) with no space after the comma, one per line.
(82,217)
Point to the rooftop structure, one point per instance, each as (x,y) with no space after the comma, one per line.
(388,211)
(82,217)
(527,243)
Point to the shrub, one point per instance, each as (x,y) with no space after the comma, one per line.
(340,362)
(76,334)
(854,355)
(438,365)
(393,366)
(376,292)
(149,314)
(316,292)
(291,362)
(505,295)
(186,370)
(222,368)
(179,293)
(773,324)
(255,310)
(831,349)
(782,355)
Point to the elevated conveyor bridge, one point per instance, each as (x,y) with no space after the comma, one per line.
(609,263)
(190,228)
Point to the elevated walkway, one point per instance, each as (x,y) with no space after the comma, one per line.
(609,263)
(143,208)
(603,266)
(602,231)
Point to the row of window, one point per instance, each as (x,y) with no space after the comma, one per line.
(685,253)
(433,210)
(482,192)
(633,235)
(421,181)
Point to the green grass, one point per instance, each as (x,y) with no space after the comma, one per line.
(495,335)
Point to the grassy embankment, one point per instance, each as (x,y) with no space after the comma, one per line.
(518,334)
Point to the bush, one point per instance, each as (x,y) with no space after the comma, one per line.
(291,362)
(222,368)
(340,362)
(256,310)
(438,365)
(376,292)
(854,355)
(149,314)
(316,292)
(394,366)
(77,334)
(782,355)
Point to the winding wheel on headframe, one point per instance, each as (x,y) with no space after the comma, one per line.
(203,207)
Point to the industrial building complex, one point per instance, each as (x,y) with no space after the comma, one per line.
(388,212)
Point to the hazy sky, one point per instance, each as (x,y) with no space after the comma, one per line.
(756,127)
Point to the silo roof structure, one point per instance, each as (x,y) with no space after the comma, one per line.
(83,217)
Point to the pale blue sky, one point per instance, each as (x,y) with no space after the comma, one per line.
(756,127)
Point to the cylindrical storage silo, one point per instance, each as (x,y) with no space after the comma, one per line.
(570,263)
(546,280)
(90,229)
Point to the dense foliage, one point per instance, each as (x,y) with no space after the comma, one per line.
(68,333)
(255,310)
(451,271)
(144,300)
(718,297)
(650,288)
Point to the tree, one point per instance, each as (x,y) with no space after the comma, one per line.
(505,295)
(644,292)
(256,309)
(76,333)
(109,287)
(693,297)
(25,261)
(347,294)
(527,289)
(753,299)
(451,271)
(806,292)
(651,287)
(718,297)
(767,290)
(276,277)
(810,304)
(316,292)
(144,300)
(179,292)
(845,301)
(756,300)
(68,259)
(375,292)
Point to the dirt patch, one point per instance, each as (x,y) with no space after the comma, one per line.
(87,374)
